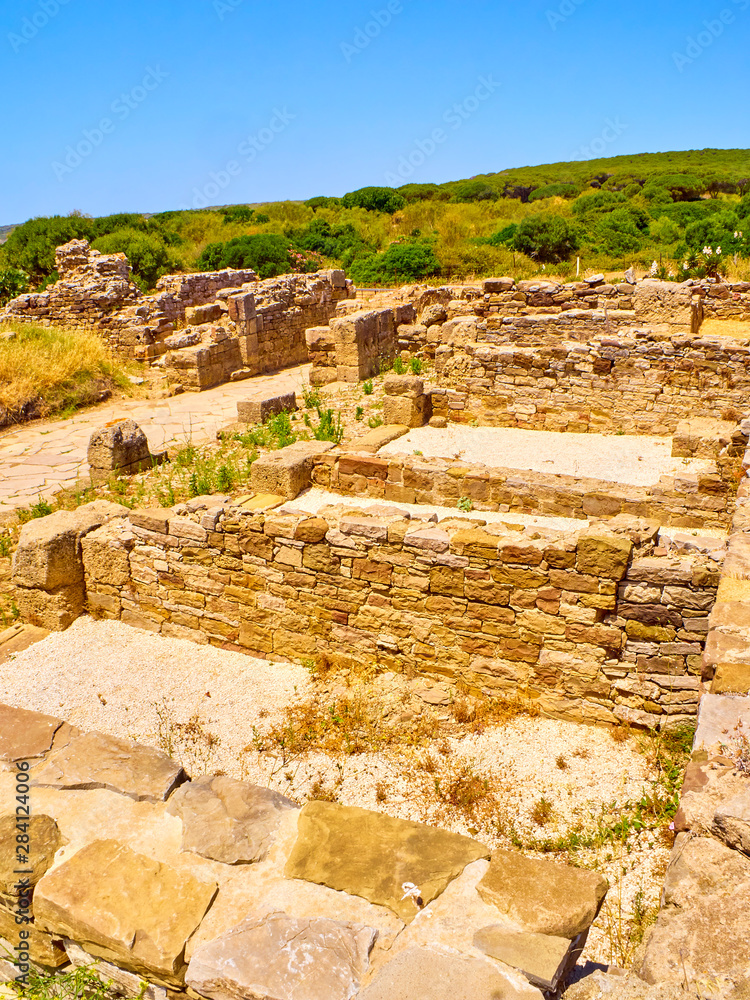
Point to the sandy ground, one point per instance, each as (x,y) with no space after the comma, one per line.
(208,707)
(631,460)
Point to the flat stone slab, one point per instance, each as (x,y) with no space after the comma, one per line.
(732,820)
(257,411)
(25,735)
(44,840)
(43,949)
(94,760)
(19,637)
(730,678)
(375,439)
(228,820)
(288,471)
(719,715)
(282,958)
(543,958)
(124,907)
(541,896)
(378,857)
(444,974)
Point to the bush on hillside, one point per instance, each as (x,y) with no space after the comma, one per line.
(618,233)
(597,201)
(676,187)
(12,283)
(321,201)
(147,253)
(237,213)
(421,192)
(263,252)
(554,191)
(403,262)
(547,238)
(714,231)
(469,191)
(375,199)
(31,246)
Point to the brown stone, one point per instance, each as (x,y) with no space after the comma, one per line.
(44,840)
(25,735)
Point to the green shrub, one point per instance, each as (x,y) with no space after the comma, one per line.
(367,387)
(375,199)
(31,246)
(678,187)
(263,252)
(329,427)
(618,233)
(597,201)
(415,366)
(12,283)
(421,192)
(476,190)
(398,365)
(147,253)
(321,201)
(237,213)
(554,191)
(504,236)
(546,238)
(401,262)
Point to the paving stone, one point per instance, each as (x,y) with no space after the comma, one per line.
(124,907)
(94,760)
(257,411)
(282,958)
(372,855)
(25,735)
(44,840)
(443,974)
(227,820)
(543,958)
(376,439)
(541,896)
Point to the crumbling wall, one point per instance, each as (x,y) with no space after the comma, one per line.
(356,346)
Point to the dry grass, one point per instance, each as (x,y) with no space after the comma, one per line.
(56,368)
(725,328)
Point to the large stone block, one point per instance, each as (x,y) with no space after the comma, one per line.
(543,958)
(119,446)
(603,554)
(541,896)
(124,907)
(56,610)
(407,410)
(373,855)
(284,958)
(93,760)
(257,411)
(47,556)
(44,950)
(227,820)
(288,471)
(106,552)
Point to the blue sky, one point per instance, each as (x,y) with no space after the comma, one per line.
(151,105)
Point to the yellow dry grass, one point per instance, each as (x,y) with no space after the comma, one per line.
(58,367)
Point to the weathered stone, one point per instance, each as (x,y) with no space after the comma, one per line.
(119,446)
(47,554)
(94,760)
(703,929)
(718,719)
(287,472)
(282,958)
(53,610)
(44,840)
(541,896)
(543,958)
(257,411)
(731,678)
(732,820)
(44,950)
(25,735)
(443,974)
(125,983)
(602,554)
(376,439)
(373,855)
(124,907)
(227,820)
(411,411)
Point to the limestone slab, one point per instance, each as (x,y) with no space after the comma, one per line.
(443,974)
(278,957)
(44,840)
(718,718)
(25,735)
(375,856)
(228,820)
(543,958)
(43,948)
(541,896)
(127,983)
(94,760)
(732,820)
(124,907)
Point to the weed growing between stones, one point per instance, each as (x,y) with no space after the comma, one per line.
(189,742)
(624,930)
(737,748)
(81,983)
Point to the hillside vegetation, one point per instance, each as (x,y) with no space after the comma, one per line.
(687,211)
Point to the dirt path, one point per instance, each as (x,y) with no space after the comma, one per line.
(39,459)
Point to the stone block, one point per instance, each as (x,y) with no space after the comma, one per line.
(44,840)
(288,471)
(376,439)
(124,907)
(55,610)
(93,760)
(124,984)
(227,820)
(407,410)
(25,735)
(372,855)
(543,958)
(718,718)
(731,678)
(47,555)
(403,385)
(119,446)
(208,313)
(283,957)
(257,411)
(541,896)
(44,950)
(603,554)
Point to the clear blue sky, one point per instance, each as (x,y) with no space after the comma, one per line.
(230,101)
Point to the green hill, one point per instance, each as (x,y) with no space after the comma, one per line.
(611,213)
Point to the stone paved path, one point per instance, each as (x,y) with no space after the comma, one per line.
(38,459)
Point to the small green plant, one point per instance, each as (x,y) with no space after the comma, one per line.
(329,428)
(465,504)
(368,387)
(541,811)
(359,413)
(81,983)
(39,509)
(398,365)
(311,397)
(225,479)
(415,366)
(374,422)
(4,547)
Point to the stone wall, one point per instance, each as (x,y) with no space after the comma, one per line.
(637,383)
(602,624)
(356,346)
(691,500)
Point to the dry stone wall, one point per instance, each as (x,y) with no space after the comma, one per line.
(601,624)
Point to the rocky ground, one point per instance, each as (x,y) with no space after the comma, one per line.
(408,747)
